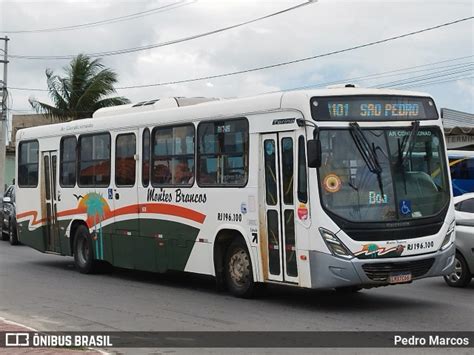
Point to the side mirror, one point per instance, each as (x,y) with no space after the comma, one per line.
(7,200)
(314,153)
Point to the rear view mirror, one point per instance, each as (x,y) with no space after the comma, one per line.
(314,153)
(7,200)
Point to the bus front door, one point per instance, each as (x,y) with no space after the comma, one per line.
(49,200)
(279,245)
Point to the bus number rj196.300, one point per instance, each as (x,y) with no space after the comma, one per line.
(229,217)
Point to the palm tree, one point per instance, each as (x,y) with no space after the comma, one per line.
(86,87)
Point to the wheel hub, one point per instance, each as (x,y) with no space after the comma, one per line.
(83,251)
(239,267)
(455,276)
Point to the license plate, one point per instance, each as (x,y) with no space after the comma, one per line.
(399,278)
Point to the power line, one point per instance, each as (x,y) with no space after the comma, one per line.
(405,86)
(162,44)
(107,21)
(435,82)
(394,72)
(297,60)
(428,76)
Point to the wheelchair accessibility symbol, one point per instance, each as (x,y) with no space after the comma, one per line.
(405,207)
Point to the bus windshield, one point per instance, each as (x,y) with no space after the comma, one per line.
(410,181)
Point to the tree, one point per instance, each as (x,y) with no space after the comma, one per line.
(85,88)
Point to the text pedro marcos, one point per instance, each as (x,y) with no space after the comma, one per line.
(431,340)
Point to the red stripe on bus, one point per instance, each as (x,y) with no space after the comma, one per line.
(158,208)
(33,214)
(173,210)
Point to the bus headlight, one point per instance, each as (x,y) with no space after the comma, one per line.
(336,247)
(447,239)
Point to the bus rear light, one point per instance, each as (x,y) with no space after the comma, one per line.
(303,257)
(333,243)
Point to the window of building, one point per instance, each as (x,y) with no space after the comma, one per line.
(28,164)
(67,165)
(146,158)
(173,156)
(125,165)
(94,160)
(223,152)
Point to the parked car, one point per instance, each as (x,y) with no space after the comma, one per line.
(1,215)
(9,227)
(464,262)
(461,164)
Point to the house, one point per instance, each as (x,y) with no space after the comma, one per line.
(458,129)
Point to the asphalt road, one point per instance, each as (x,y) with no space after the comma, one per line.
(45,292)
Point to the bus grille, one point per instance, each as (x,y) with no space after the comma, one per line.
(381,271)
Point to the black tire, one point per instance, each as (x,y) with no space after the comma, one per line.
(238,270)
(12,234)
(461,276)
(3,235)
(348,289)
(83,251)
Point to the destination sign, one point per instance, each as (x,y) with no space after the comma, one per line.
(372,108)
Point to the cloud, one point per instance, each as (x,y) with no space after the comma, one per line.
(318,28)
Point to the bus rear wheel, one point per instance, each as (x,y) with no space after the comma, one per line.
(238,270)
(83,251)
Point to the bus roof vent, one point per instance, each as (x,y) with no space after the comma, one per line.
(341,86)
(151,105)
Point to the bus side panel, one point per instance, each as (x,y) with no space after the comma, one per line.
(33,238)
(163,245)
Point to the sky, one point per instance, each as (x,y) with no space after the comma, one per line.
(320,27)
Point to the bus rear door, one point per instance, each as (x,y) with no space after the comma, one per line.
(124,193)
(49,200)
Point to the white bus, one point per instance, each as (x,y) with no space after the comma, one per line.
(341,188)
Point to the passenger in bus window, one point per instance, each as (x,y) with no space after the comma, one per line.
(183,175)
(162,174)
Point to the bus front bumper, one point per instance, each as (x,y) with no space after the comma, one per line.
(328,271)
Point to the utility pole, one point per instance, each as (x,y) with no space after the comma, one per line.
(3,115)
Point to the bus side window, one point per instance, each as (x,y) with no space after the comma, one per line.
(67,163)
(173,156)
(125,164)
(223,153)
(94,160)
(302,177)
(146,158)
(28,164)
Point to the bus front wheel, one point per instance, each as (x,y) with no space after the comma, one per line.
(83,252)
(461,276)
(238,270)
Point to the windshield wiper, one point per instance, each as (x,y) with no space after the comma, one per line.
(408,143)
(368,152)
